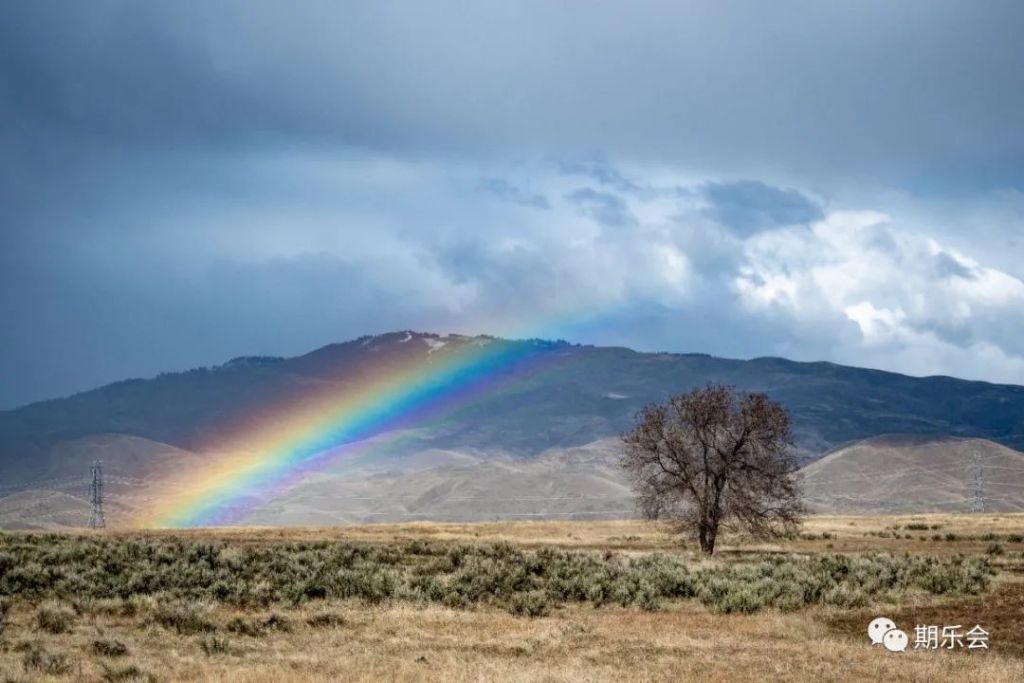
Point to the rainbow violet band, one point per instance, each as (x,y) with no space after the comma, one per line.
(294,440)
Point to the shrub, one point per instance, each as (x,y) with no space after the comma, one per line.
(741,599)
(50,663)
(531,604)
(55,617)
(326,620)
(277,622)
(7,562)
(455,600)
(127,673)
(995,549)
(214,645)
(245,627)
(177,580)
(183,618)
(374,585)
(109,648)
(647,599)
(845,596)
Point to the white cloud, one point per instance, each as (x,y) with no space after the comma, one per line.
(917,306)
(876,325)
(327,252)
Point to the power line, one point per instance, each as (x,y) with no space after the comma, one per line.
(1003,467)
(69,482)
(944,470)
(64,482)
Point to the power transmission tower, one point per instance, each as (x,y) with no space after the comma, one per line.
(96,519)
(979,490)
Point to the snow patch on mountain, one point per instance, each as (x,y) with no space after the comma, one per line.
(434,344)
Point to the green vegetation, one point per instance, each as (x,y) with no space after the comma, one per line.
(453,601)
(184,618)
(55,617)
(177,583)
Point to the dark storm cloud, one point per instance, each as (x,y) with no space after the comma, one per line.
(186,182)
(510,193)
(750,205)
(603,172)
(77,325)
(862,89)
(604,207)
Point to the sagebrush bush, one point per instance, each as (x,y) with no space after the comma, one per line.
(38,658)
(55,617)
(109,648)
(183,618)
(126,674)
(4,609)
(175,580)
(531,604)
(245,627)
(277,622)
(326,620)
(214,645)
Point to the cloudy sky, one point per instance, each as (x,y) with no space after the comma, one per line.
(182,183)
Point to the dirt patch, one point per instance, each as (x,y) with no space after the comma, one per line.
(1000,612)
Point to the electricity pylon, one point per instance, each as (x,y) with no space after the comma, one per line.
(96,519)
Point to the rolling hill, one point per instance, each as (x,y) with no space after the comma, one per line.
(543,438)
(913,474)
(575,483)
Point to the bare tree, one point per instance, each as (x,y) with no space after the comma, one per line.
(713,459)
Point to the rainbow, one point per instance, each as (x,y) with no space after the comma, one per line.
(278,448)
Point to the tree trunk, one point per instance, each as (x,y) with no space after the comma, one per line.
(706,535)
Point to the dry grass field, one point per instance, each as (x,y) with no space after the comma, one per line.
(637,619)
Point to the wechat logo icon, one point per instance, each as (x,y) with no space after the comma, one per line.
(883,631)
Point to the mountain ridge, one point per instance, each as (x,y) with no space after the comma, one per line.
(250,360)
(586,393)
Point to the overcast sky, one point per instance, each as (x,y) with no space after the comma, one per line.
(182,183)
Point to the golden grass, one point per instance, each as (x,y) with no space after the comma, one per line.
(400,642)
(431,643)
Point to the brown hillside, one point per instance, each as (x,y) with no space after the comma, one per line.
(894,474)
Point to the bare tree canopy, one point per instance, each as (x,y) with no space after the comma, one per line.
(715,458)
